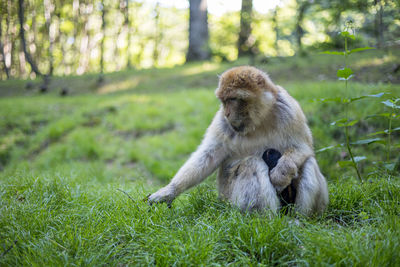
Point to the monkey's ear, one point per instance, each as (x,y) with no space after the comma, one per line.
(260,80)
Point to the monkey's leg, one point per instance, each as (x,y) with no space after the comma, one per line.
(250,186)
(312,191)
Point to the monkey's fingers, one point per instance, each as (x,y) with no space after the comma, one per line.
(146,198)
(155,198)
(151,202)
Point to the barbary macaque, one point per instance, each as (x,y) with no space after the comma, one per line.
(256,116)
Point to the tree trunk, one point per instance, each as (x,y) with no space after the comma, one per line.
(84,50)
(3,56)
(48,9)
(9,39)
(75,48)
(198,31)
(118,53)
(276,29)
(103,30)
(379,23)
(156,34)
(299,29)
(23,41)
(246,41)
(127,30)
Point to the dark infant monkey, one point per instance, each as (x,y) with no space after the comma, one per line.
(288,195)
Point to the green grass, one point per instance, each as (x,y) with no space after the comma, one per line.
(66,165)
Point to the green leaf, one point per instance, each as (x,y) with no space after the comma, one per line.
(344,122)
(376,133)
(351,123)
(328,148)
(390,104)
(346,34)
(377,95)
(345,163)
(368,141)
(384,131)
(389,166)
(339,121)
(333,53)
(344,74)
(367,96)
(385,115)
(359,49)
(359,158)
(336,100)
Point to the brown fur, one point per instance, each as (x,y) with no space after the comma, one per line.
(250,79)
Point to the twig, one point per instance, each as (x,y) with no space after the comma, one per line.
(127,195)
(8,250)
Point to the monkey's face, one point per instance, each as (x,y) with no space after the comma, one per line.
(246,94)
(236,113)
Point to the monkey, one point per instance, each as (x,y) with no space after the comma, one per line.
(254,115)
(271,157)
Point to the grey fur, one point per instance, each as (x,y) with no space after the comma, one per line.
(246,184)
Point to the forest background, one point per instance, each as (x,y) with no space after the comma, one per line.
(101,102)
(114,35)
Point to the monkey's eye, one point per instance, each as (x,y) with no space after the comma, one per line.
(231,99)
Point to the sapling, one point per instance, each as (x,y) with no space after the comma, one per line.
(345,74)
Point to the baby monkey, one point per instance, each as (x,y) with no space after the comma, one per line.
(288,195)
(261,143)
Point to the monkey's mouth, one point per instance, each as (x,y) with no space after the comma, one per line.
(238,128)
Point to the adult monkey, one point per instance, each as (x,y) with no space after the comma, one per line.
(256,115)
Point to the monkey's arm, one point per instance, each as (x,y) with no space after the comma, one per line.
(199,166)
(289,165)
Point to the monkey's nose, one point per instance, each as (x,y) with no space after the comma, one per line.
(238,128)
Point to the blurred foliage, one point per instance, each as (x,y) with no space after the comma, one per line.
(156,35)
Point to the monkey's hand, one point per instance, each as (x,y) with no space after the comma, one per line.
(165,194)
(281,176)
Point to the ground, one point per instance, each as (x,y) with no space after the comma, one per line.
(74,171)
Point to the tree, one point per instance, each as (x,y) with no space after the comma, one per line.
(48,9)
(85,10)
(3,55)
(276,29)
(21,16)
(103,30)
(302,8)
(127,29)
(246,42)
(157,34)
(198,31)
(379,28)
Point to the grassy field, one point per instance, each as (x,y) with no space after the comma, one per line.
(74,171)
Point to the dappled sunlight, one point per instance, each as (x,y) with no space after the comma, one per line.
(119,86)
(197,69)
(373,62)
